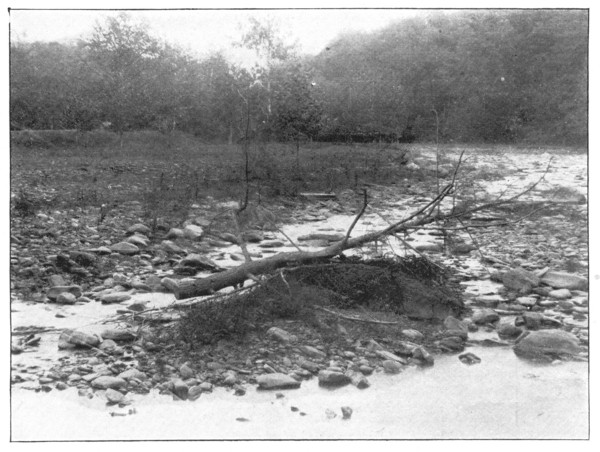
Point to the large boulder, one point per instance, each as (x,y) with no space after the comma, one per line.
(562,280)
(547,345)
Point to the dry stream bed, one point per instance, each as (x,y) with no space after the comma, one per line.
(428,378)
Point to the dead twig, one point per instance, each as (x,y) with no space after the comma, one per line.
(360,214)
(354,319)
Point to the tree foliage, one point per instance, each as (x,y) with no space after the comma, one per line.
(498,76)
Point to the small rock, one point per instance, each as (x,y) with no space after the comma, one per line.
(413,335)
(124,248)
(520,280)
(346,412)
(106,381)
(424,356)
(174,233)
(276,381)
(186,372)
(55,291)
(73,338)
(313,352)
(560,294)
(193,232)
(66,298)
(180,390)
(332,378)
(384,354)
(195,392)
(119,334)
(139,227)
(358,379)
(391,367)
(485,315)
(113,396)
(115,297)
(469,358)
(133,373)
(281,335)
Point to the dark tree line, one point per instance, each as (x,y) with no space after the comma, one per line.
(495,76)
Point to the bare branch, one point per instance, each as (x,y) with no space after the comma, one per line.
(360,214)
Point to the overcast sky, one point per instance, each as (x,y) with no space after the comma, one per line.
(204,31)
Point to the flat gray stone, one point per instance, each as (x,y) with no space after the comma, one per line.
(276,381)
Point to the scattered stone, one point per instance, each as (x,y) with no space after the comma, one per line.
(424,356)
(413,335)
(309,365)
(330,414)
(70,339)
(106,381)
(180,390)
(194,393)
(358,379)
(66,298)
(508,330)
(520,280)
(527,301)
(489,301)
(281,335)
(560,294)
(124,248)
(547,345)
(108,346)
(452,344)
(276,381)
(138,240)
(366,370)
(391,366)
(469,358)
(113,396)
(174,233)
(193,232)
(272,244)
(384,354)
(119,334)
(560,280)
(139,227)
(55,291)
(485,315)
(333,378)
(115,297)
(61,386)
(532,320)
(57,280)
(169,284)
(346,412)
(198,262)
(252,236)
(171,247)
(311,351)
(186,371)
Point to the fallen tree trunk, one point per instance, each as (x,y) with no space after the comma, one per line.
(248,270)
(423,216)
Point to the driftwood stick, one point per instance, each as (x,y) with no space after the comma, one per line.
(354,319)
